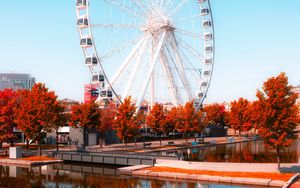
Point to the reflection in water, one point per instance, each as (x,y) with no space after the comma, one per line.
(74,175)
(241,152)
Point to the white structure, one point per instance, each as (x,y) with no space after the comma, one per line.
(15,152)
(156,51)
(296,89)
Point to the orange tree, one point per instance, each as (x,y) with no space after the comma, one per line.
(141,122)
(239,115)
(60,118)
(125,121)
(255,114)
(35,114)
(279,114)
(7,105)
(188,120)
(170,120)
(215,114)
(85,116)
(156,119)
(107,116)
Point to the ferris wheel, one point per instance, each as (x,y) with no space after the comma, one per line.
(156,51)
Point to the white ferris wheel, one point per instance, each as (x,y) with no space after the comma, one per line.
(152,50)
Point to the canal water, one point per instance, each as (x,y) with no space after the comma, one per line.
(69,175)
(246,152)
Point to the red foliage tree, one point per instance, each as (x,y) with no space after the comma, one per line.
(125,121)
(7,105)
(188,120)
(85,116)
(156,119)
(60,118)
(170,120)
(35,114)
(107,116)
(279,114)
(215,114)
(239,115)
(141,123)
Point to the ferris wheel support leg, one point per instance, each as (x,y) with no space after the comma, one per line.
(171,82)
(152,82)
(135,69)
(153,63)
(182,74)
(127,60)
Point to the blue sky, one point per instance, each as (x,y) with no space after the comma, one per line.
(255,39)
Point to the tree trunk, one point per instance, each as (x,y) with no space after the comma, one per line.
(101,139)
(160,139)
(56,139)
(186,137)
(84,138)
(39,148)
(27,144)
(12,143)
(278,158)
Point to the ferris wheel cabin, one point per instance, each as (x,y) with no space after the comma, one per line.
(208,49)
(204,11)
(82,22)
(208,61)
(207,24)
(201,1)
(86,42)
(96,78)
(200,95)
(81,4)
(106,93)
(208,36)
(206,73)
(90,61)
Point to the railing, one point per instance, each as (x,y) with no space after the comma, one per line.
(106,158)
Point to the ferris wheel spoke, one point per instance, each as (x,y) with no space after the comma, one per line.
(127,61)
(135,69)
(167,5)
(188,18)
(107,26)
(189,66)
(189,48)
(182,74)
(178,7)
(124,7)
(189,33)
(118,49)
(171,81)
(150,72)
(139,4)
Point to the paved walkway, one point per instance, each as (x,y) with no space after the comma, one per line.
(154,144)
(232,167)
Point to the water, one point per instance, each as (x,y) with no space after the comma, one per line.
(83,176)
(252,152)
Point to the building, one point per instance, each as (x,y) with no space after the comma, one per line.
(296,89)
(91,92)
(16,81)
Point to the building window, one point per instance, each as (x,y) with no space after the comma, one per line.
(4,79)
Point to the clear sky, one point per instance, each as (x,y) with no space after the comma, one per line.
(255,39)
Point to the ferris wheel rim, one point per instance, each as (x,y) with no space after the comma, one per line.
(208,80)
